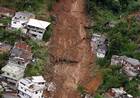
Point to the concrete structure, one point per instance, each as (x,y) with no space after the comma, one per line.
(21,54)
(36,28)
(130,66)
(99,45)
(12,72)
(117,60)
(31,87)
(117,93)
(20,19)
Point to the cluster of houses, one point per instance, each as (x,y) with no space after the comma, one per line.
(129,66)
(26,22)
(30,26)
(12,76)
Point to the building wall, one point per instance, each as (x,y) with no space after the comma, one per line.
(36,31)
(13,76)
(25,91)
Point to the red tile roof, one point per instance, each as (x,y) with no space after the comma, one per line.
(23,45)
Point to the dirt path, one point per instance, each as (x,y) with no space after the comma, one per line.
(70,48)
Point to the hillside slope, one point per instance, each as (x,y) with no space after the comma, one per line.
(70,49)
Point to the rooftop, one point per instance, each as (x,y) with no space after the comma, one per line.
(37,79)
(23,15)
(38,23)
(22,45)
(13,68)
(21,51)
(132,61)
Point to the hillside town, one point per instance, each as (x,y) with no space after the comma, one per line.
(56,58)
(12,78)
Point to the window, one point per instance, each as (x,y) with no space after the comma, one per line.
(8,74)
(34,35)
(14,75)
(36,92)
(40,32)
(22,83)
(14,22)
(42,83)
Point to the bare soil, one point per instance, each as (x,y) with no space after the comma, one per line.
(70,49)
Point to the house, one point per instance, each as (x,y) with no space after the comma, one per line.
(130,66)
(110,24)
(117,93)
(4,48)
(12,72)
(20,19)
(36,28)
(31,87)
(21,54)
(99,45)
(117,60)
(6,12)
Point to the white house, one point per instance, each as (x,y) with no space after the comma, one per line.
(31,87)
(12,72)
(130,66)
(20,19)
(99,45)
(36,28)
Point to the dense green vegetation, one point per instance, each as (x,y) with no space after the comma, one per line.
(41,58)
(10,36)
(3,59)
(28,5)
(123,39)
(5,20)
(50,4)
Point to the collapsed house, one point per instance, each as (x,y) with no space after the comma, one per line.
(36,28)
(130,66)
(20,19)
(117,93)
(21,54)
(31,87)
(99,45)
